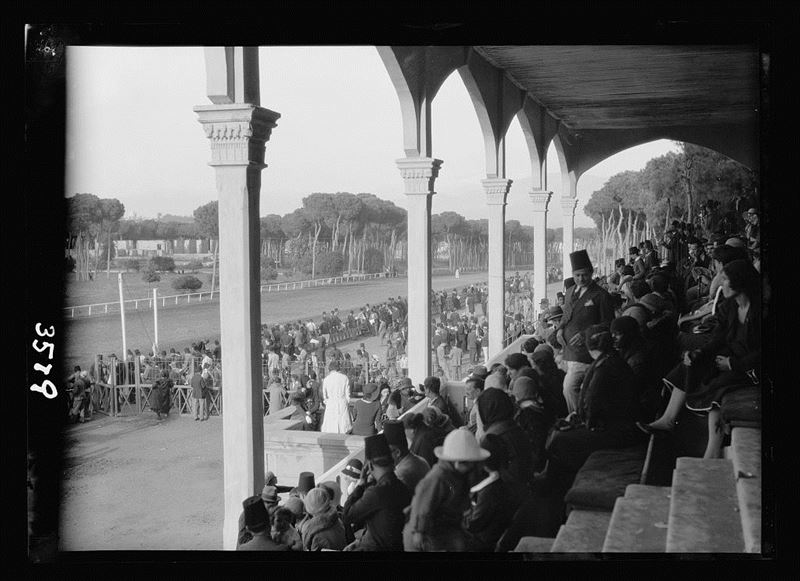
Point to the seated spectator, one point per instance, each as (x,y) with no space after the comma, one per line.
(496,410)
(432,387)
(660,329)
(408,467)
(532,417)
(440,499)
(516,364)
(348,478)
(696,327)
(429,430)
(473,388)
(635,351)
(321,528)
(730,361)
(334,492)
(377,502)
(551,379)
(491,507)
(606,413)
(497,379)
(394,406)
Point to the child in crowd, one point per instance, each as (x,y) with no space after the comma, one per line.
(283,530)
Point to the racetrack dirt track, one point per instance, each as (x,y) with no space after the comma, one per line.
(179,326)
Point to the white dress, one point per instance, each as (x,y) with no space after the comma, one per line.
(335,394)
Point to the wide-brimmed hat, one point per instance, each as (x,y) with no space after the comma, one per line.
(479,371)
(555,312)
(735,242)
(353,469)
(269,494)
(256,516)
(371,391)
(404,383)
(653,302)
(461,446)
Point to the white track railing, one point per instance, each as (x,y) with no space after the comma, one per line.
(191,298)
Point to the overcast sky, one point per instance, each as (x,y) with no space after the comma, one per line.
(132,134)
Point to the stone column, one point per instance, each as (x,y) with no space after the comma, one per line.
(496,191)
(419,174)
(540,199)
(238,133)
(568,220)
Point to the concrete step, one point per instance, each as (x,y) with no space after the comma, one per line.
(703,512)
(584,532)
(639,521)
(646,491)
(534,545)
(745,451)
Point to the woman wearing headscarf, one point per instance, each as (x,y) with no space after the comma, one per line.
(491,505)
(635,351)
(442,496)
(322,527)
(606,414)
(551,379)
(730,361)
(430,429)
(496,410)
(532,416)
(161,395)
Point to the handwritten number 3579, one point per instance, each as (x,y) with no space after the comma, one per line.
(47,388)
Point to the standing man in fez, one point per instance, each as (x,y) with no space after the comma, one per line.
(376,505)
(408,467)
(586,304)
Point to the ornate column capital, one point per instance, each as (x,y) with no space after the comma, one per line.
(568,206)
(419,174)
(540,199)
(237,132)
(496,190)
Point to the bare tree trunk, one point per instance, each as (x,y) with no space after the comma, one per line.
(214,264)
(108,256)
(314,252)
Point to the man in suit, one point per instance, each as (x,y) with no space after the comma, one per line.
(586,304)
(639,268)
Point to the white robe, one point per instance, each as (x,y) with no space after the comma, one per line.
(335,394)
